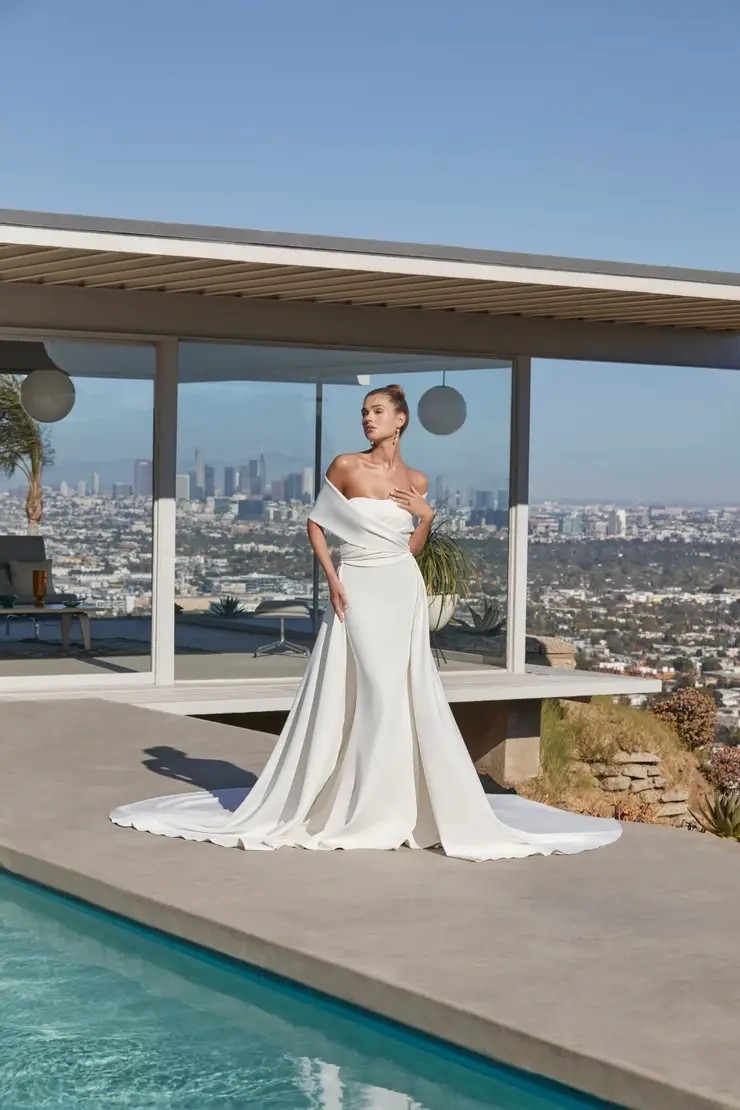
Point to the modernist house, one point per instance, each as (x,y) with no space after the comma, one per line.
(155,323)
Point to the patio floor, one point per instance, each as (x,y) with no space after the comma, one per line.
(615,971)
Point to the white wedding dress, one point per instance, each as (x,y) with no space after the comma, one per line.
(370,755)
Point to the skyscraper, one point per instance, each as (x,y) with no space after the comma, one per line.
(200,473)
(95,484)
(308,481)
(143,478)
(209,482)
(81,489)
(244,486)
(502,500)
(293,487)
(262,475)
(254,487)
(182,487)
(617,523)
(230,485)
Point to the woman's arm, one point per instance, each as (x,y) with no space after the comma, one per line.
(420,534)
(336,474)
(317,539)
(337,594)
(413,501)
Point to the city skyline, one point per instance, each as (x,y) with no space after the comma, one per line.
(668,456)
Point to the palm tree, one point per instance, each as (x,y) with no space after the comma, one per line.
(24,446)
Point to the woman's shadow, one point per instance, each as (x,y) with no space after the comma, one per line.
(227,782)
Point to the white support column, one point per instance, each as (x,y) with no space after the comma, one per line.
(164,524)
(317,479)
(516,636)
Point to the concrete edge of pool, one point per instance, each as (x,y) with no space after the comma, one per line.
(504,1045)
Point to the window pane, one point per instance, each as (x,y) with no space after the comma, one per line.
(84,515)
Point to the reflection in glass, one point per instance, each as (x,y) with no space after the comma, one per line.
(248,465)
(76,505)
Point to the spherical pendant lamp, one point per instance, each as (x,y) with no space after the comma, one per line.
(442,410)
(48,395)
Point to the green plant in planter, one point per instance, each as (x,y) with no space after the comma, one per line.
(447,568)
(722,816)
(227,607)
(488,623)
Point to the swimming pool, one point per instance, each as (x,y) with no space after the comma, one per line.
(96,1012)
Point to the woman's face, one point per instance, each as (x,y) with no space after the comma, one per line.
(379,418)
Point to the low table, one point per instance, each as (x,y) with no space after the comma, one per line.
(65,614)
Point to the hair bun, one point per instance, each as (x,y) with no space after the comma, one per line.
(396,389)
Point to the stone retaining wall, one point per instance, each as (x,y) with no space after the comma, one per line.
(639,777)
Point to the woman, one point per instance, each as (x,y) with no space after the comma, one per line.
(370,755)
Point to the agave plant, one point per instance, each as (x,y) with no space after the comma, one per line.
(488,623)
(722,816)
(446,567)
(228,606)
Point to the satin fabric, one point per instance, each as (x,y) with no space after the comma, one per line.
(370,756)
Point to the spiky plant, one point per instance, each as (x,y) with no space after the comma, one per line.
(488,623)
(722,816)
(24,446)
(227,606)
(446,567)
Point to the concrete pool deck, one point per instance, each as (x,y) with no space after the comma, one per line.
(615,971)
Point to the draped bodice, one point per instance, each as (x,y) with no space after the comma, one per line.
(373,532)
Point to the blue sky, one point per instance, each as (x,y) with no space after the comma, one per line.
(580,127)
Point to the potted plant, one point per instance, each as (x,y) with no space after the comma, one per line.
(448,570)
(491,622)
(228,607)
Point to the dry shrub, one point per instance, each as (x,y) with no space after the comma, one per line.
(722,769)
(576,732)
(692,713)
(605,727)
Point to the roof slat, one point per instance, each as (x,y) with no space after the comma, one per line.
(332,282)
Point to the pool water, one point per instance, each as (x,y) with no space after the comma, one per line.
(96,1012)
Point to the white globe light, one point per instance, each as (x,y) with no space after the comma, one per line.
(442,410)
(48,395)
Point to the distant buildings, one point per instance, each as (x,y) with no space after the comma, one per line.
(617,523)
(230,481)
(143,478)
(308,486)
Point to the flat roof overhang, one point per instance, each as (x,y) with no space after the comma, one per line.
(80,274)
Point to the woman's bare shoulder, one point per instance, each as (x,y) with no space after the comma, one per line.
(418,480)
(342,467)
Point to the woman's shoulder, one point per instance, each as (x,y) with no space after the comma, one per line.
(343,464)
(418,479)
(342,467)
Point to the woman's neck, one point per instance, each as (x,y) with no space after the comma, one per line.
(385,456)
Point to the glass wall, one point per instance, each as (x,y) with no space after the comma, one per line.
(246,480)
(76,503)
(245,483)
